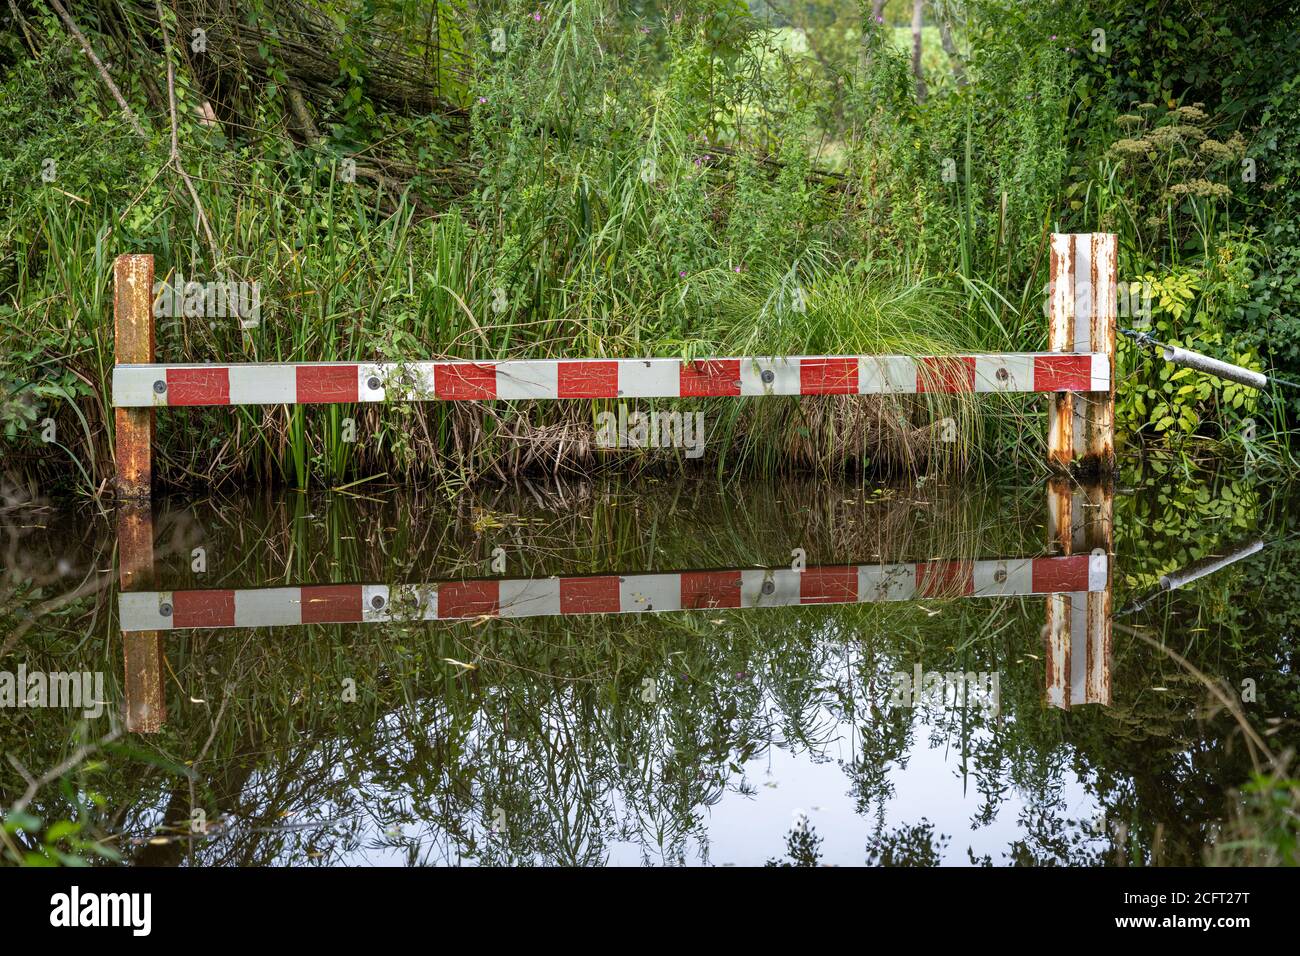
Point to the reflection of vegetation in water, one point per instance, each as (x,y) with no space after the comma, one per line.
(914,845)
(554,740)
(802,848)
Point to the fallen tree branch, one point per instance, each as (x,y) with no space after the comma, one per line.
(103,72)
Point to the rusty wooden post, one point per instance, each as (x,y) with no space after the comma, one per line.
(142,651)
(1082,308)
(1079,624)
(1105,307)
(133,344)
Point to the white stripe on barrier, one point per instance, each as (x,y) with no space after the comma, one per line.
(769,376)
(647,378)
(1004,373)
(887,582)
(523,380)
(775,587)
(262,385)
(886,375)
(536,598)
(650,592)
(1100,372)
(1000,577)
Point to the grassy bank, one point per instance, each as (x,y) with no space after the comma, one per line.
(592,180)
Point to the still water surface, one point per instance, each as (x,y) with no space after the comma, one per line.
(392,677)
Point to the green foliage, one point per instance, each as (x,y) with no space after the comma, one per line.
(1189,148)
(620,179)
(1175,402)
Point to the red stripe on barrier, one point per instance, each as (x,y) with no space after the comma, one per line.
(1057,575)
(828,376)
(203,609)
(589,595)
(940,579)
(829,585)
(198,386)
(469,599)
(327,384)
(587,380)
(704,589)
(1062,373)
(946,374)
(465,382)
(718,377)
(331,604)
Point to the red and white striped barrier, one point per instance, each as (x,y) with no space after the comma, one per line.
(610,593)
(1079,371)
(311,383)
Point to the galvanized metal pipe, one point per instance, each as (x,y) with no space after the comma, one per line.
(1206,566)
(1215,367)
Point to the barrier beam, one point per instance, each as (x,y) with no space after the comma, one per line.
(741,588)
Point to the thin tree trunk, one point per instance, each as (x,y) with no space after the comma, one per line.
(877,19)
(918,16)
(950,48)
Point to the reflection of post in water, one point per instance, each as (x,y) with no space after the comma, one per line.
(146,701)
(1079,623)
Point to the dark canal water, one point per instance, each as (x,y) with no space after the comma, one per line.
(659,673)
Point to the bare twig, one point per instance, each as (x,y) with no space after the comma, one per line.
(77,756)
(108,80)
(175,146)
(27,33)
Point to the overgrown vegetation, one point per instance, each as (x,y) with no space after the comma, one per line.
(589,178)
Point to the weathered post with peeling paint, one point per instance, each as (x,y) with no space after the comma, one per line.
(133,344)
(142,651)
(1079,626)
(1082,308)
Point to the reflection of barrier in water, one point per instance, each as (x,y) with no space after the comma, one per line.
(740,588)
(1079,623)
(1076,583)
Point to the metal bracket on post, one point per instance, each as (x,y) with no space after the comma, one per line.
(1082,308)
